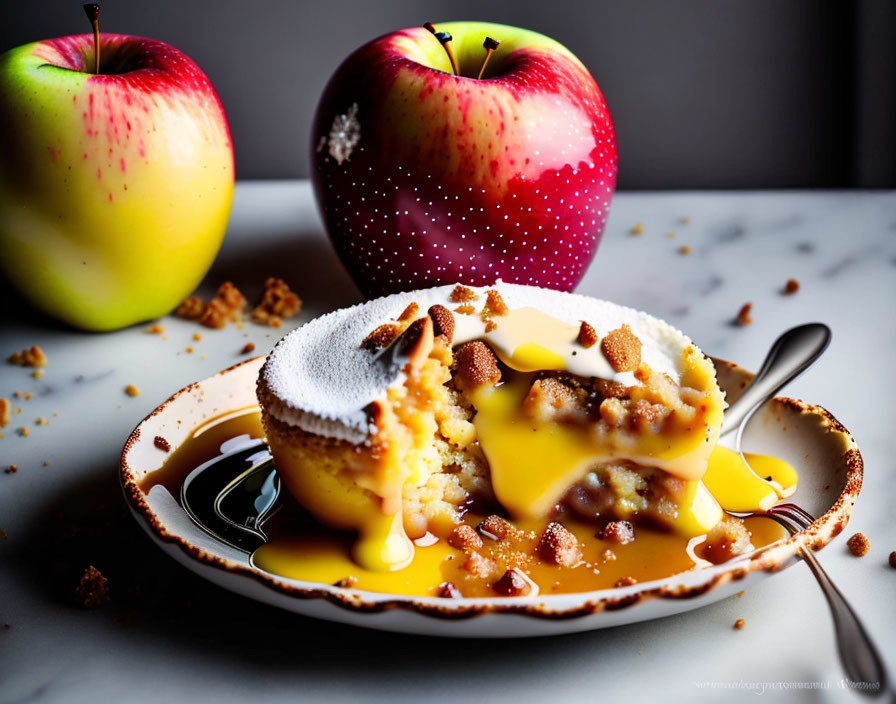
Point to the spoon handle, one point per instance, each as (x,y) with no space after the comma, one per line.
(858,655)
(789,357)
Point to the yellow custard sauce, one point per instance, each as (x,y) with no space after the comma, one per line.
(300,548)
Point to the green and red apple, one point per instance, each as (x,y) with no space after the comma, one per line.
(425,177)
(116,187)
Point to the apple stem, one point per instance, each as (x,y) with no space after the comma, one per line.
(93,14)
(489,45)
(445,40)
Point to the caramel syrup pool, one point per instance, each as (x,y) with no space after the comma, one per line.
(299,548)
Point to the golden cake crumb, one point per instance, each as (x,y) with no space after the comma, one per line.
(382,336)
(189,350)
(155,329)
(278,301)
(462,294)
(684,249)
(638,229)
(558,546)
(475,365)
(622,348)
(226,307)
(442,322)
(587,335)
(464,537)
(4,412)
(93,589)
(191,308)
(41,421)
(791,287)
(739,624)
(247,348)
(512,583)
(23,432)
(743,316)
(29,357)
(621,532)
(490,325)
(858,544)
(465,309)
(197,337)
(38,374)
(131,390)
(410,313)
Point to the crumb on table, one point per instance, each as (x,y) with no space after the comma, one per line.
(155,329)
(637,229)
(247,348)
(38,374)
(739,624)
(12,469)
(893,559)
(29,357)
(791,287)
(278,301)
(131,390)
(4,412)
(684,249)
(743,316)
(858,544)
(93,588)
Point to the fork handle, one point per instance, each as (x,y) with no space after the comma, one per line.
(859,657)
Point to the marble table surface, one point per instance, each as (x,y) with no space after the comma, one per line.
(169,636)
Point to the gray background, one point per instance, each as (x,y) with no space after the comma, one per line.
(704,94)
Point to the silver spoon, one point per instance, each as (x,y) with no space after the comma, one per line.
(790,355)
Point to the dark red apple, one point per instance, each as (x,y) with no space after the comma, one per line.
(425,177)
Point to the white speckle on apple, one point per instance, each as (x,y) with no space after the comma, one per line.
(345,133)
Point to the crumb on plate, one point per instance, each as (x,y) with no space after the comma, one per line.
(858,544)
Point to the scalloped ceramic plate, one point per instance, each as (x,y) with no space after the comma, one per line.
(807,436)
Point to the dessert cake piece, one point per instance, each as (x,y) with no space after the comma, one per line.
(395,417)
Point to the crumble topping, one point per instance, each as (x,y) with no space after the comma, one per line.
(465,309)
(442,322)
(381,337)
(858,544)
(622,348)
(29,357)
(494,304)
(462,294)
(475,365)
(587,335)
